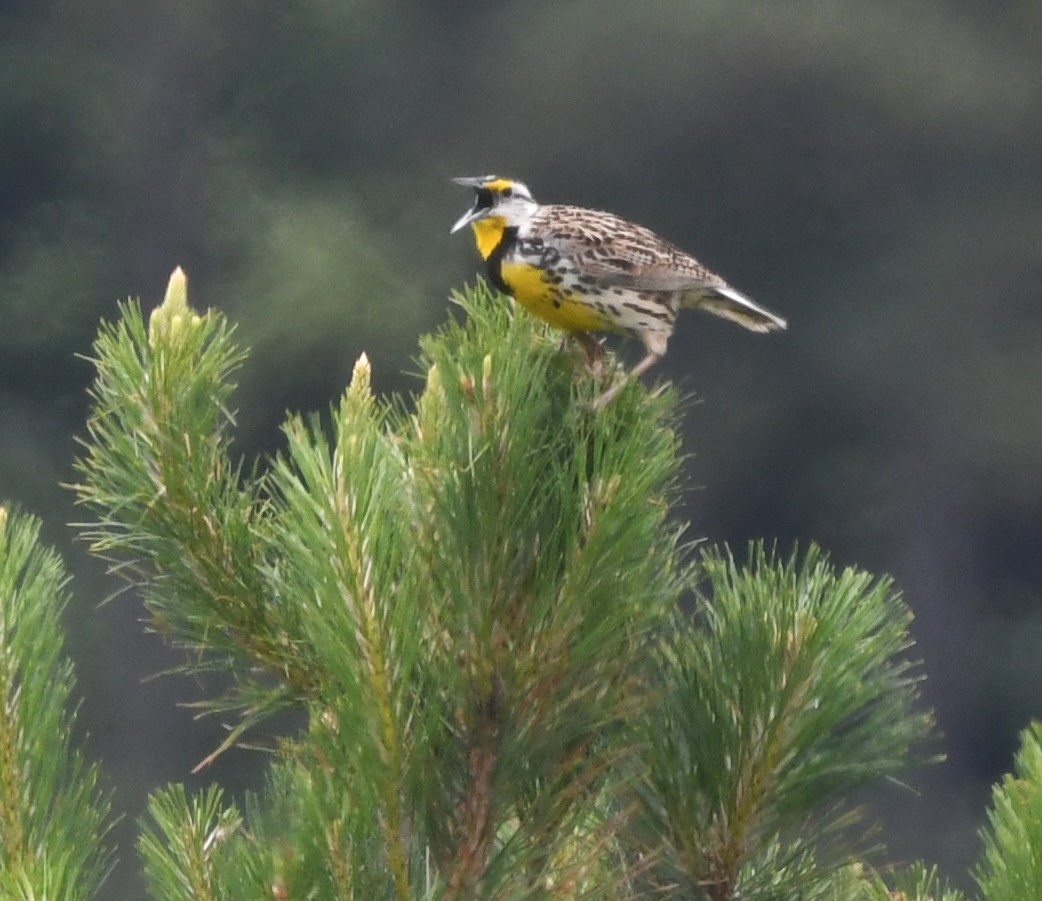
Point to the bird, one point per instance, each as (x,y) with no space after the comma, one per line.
(587,271)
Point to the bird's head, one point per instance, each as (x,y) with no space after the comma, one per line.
(499,204)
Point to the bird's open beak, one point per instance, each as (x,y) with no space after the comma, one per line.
(472,214)
(471,181)
(476,212)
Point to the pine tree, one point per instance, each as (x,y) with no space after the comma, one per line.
(53,816)
(519,678)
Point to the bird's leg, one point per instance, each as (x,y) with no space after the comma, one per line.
(636,372)
(644,365)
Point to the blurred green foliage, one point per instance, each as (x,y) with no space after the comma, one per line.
(868,170)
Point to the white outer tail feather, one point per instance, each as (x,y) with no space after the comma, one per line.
(725,301)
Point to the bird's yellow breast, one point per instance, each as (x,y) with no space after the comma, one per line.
(562,308)
(529,285)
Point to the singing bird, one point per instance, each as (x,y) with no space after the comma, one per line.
(587,271)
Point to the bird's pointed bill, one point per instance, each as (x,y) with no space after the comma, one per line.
(478,211)
(472,181)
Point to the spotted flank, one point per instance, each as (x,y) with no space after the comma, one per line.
(587,271)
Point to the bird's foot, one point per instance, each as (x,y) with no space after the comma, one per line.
(608,396)
(636,372)
(594,350)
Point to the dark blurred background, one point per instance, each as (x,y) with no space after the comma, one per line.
(873,171)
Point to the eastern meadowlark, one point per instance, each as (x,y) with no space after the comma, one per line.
(587,271)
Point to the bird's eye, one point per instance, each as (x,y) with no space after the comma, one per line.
(508,192)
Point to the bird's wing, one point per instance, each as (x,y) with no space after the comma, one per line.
(617,253)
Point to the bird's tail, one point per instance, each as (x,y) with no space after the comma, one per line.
(725,301)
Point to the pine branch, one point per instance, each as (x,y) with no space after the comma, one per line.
(789,690)
(549,562)
(917,883)
(181,852)
(176,515)
(53,818)
(462,599)
(1012,865)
